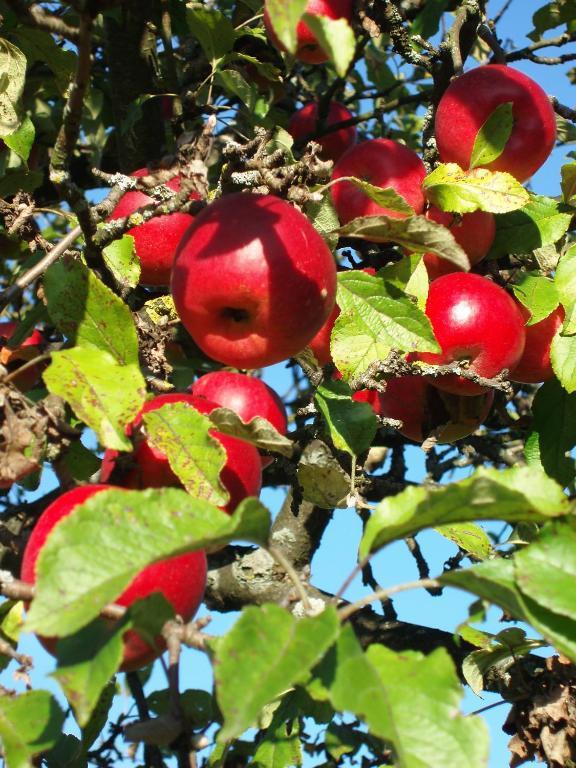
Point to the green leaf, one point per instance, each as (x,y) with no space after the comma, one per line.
(352,425)
(387,197)
(555,430)
(12,77)
(376,317)
(277,651)
(372,685)
(213,30)
(29,724)
(343,740)
(89,658)
(496,581)
(280,745)
(546,570)
(538,294)
(427,21)
(10,626)
(258,431)
(180,432)
(335,37)
(552,15)
(568,173)
(323,216)
(86,662)
(415,233)
(450,188)
(563,359)
(321,478)
(22,139)
(565,280)
(113,536)
(284,18)
(120,258)
(540,223)
(511,495)
(41,46)
(235,85)
(106,396)
(88,313)
(14,181)
(198,706)
(471,538)
(81,462)
(493,581)
(493,136)
(99,717)
(504,650)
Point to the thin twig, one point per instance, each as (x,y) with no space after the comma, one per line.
(35,16)
(14,291)
(383,594)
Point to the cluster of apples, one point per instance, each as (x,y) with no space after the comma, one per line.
(254,284)
(181,579)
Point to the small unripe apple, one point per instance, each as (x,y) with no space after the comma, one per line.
(534,365)
(382,163)
(305,122)
(308,49)
(241,475)
(474,233)
(12,359)
(252,281)
(181,579)
(425,410)
(247,396)
(156,240)
(476,322)
(471,99)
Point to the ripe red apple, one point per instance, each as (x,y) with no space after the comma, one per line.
(534,365)
(320,344)
(473,320)
(382,163)
(469,101)
(252,280)
(425,410)
(474,233)
(308,49)
(245,395)
(181,579)
(241,475)
(12,359)
(156,240)
(305,122)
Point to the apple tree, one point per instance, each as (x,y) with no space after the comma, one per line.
(192,193)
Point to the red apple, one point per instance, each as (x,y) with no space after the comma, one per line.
(181,579)
(473,320)
(305,122)
(474,233)
(156,240)
(308,49)
(382,163)
(12,359)
(252,281)
(245,395)
(469,101)
(534,365)
(241,475)
(425,410)
(320,344)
